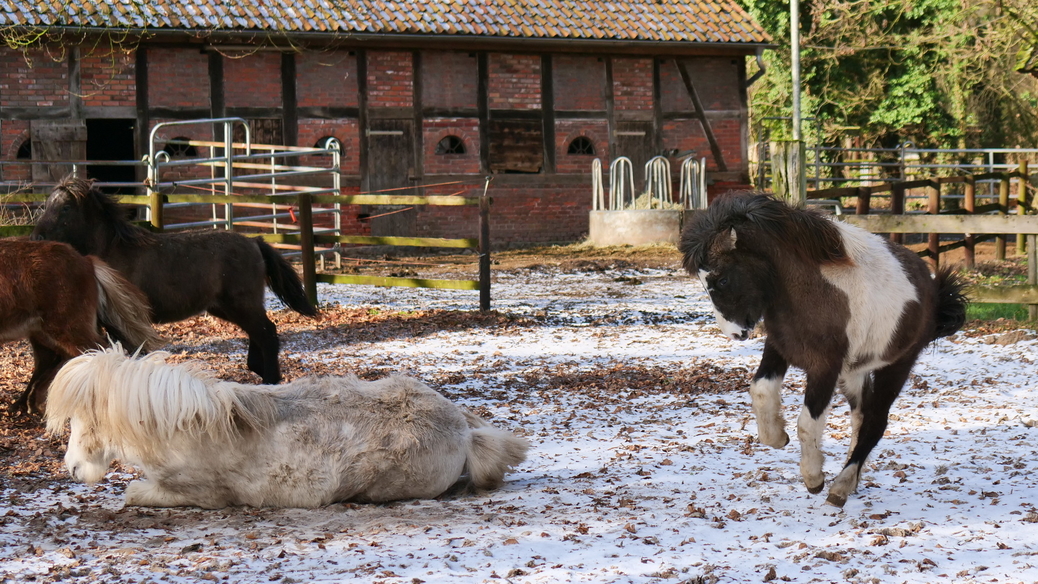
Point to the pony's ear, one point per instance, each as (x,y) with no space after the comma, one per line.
(725,241)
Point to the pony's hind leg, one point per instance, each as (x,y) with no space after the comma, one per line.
(766,396)
(263,340)
(875,407)
(46,362)
(811,427)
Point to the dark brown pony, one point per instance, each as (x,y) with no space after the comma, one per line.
(184,273)
(58,299)
(848,307)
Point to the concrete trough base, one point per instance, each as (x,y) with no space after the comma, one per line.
(635,227)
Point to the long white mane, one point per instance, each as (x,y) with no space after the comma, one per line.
(140,401)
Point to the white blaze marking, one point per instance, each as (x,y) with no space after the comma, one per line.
(728,328)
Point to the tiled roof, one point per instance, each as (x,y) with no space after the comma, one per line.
(702,21)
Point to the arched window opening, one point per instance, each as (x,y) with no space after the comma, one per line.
(581,145)
(179,148)
(450,145)
(25,150)
(324,142)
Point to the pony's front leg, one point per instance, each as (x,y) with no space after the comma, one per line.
(875,407)
(766,396)
(151,494)
(811,427)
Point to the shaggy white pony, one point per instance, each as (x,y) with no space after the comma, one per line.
(211,443)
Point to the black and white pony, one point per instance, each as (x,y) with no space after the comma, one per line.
(850,308)
(210,443)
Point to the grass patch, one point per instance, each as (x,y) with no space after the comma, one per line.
(992,311)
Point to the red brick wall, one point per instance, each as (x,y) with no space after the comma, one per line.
(13,133)
(632,84)
(347,131)
(449,79)
(515,81)
(178,78)
(326,79)
(716,80)
(33,78)
(688,135)
(108,77)
(519,215)
(436,129)
(253,80)
(566,130)
(202,132)
(390,79)
(579,82)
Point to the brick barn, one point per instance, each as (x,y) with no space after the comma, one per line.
(416,92)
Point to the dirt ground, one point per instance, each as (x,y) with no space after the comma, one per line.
(26,455)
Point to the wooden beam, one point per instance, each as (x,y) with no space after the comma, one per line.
(945,223)
(405,282)
(715,148)
(295,238)
(1015,294)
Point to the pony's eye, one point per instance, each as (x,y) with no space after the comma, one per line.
(722,282)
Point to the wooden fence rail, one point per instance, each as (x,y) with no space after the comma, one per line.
(974,222)
(307,240)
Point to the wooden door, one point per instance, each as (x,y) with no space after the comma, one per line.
(57,141)
(391,165)
(635,140)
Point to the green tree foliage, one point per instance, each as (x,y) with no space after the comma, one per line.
(938,73)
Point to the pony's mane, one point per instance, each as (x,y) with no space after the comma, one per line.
(762,224)
(113,213)
(141,401)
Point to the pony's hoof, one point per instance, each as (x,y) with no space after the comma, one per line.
(836,500)
(816,489)
(776,443)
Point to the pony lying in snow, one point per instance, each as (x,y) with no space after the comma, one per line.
(210,443)
(851,309)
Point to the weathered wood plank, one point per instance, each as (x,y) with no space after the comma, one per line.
(1013,294)
(375,240)
(945,223)
(404,282)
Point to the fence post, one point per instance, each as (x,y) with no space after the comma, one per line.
(787,172)
(306,246)
(864,201)
(1032,272)
(970,204)
(897,207)
(933,208)
(1022,206)
(484,248)
(1003,208)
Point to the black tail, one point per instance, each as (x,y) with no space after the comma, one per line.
(284,281)
(951,304)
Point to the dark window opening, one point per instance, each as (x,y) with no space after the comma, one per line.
(450,145)
(179,148)
(581,145)
(111,140)
(516,146)
(25,150)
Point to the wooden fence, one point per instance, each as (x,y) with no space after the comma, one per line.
(306,239)
(974,222)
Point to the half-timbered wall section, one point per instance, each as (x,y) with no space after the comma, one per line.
(535,121)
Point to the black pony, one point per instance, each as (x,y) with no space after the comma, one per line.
(182,274)
(848,307)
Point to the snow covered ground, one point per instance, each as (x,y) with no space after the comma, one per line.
(644,466)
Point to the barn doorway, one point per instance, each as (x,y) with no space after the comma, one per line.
(112,140)
(390,167)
